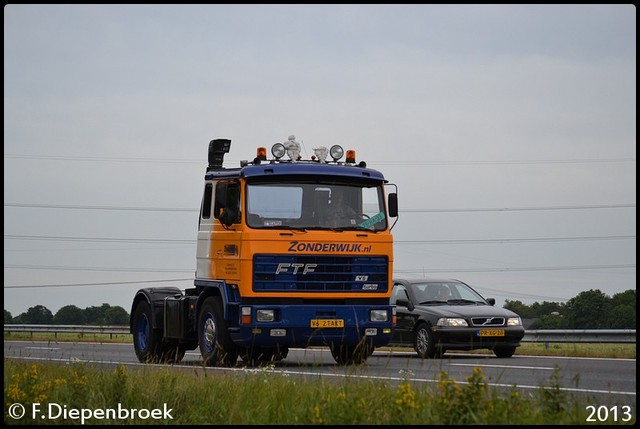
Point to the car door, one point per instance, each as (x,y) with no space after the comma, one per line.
(405,320)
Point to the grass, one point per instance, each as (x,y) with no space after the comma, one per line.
(82,394)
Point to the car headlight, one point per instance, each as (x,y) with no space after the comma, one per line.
(514,321)
(452,322)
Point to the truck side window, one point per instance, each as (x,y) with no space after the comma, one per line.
(227,205)
(206,201)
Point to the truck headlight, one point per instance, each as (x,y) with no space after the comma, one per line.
(378,316)
(265,315)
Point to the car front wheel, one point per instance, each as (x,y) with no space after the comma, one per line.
(424,343)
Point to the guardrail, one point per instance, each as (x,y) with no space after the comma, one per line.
(73,329)
(580,336)
(531,336)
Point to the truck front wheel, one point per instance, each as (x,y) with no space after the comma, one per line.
(216,346)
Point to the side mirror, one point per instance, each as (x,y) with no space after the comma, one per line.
(221,195)
(227,203)
(393,204)
(228,216)
(405,303)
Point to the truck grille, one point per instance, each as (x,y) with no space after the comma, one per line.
(306,273)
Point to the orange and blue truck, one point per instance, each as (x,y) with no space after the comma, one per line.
(275,269)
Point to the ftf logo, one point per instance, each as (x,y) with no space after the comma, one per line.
(306,268)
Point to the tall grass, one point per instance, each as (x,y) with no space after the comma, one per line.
(267,396)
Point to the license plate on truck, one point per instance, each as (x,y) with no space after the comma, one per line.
(491,332)
(327,323)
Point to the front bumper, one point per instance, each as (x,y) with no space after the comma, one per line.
(293,326)
(470,338)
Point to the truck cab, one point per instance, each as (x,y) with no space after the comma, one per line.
(290,253)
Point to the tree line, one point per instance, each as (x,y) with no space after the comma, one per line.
(591,309)
(71,315)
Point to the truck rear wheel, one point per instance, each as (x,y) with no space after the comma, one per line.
(146,342)
(216,346)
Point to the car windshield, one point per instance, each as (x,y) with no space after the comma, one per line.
(446,292)
(305,205)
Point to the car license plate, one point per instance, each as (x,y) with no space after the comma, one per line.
(327,323)
(491,332)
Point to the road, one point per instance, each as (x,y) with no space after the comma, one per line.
(607,382)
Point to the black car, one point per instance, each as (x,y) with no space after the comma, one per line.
(436,315)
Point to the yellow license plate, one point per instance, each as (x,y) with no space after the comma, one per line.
(327,323)
(491,333)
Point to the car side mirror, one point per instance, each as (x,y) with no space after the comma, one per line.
(491,301)
(405,303)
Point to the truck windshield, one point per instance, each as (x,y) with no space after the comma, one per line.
(315,206)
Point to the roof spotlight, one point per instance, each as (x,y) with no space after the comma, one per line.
(336,152)
(278,150)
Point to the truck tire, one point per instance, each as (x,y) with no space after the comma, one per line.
(146,342)
(216,346)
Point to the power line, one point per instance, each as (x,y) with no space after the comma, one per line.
(508,162)
(493,270)
(96,239)
(67,268)
(104,159)
(373,162)
(78,207)
(416,210)
(518,240)
(506,209)
(93,284)
(398,271)
(461,241)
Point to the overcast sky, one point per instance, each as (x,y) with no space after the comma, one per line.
(509,130)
